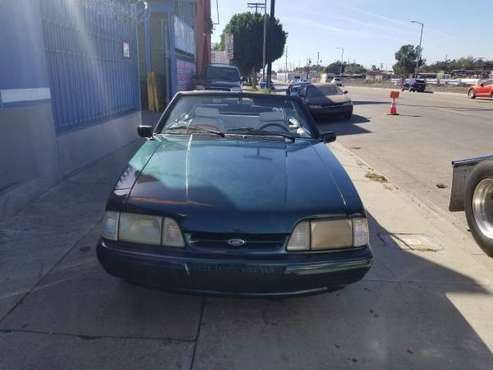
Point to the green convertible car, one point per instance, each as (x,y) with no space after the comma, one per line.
(236,194)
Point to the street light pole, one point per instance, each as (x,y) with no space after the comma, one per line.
(420,48)
(342,59)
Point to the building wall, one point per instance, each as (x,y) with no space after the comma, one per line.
(34,154)
(185,69)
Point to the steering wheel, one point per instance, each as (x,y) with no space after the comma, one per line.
(278,125)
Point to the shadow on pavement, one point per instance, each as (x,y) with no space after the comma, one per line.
(398,317)
(344,127)
(460,109)
(401,316)
(369,102)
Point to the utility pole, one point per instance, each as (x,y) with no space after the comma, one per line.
(257,6)
(264,49)
(342,59)
(420,47)
(272,20)
(286,69)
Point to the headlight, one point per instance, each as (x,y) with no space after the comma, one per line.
(110,225)
(320,234)
(331,234)
(361,233)
(142,229)
(172,236)
(300,237)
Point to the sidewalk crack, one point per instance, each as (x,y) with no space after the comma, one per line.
(55,265)
(197,336)
(95,337)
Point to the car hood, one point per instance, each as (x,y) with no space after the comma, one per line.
(238,185)
(329,99)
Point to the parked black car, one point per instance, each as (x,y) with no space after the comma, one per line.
(236,194)
(326,100)
(414,84)
(220,77)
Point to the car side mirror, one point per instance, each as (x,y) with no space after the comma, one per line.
(345,92)
(145,130)
(328,137)
(482,85)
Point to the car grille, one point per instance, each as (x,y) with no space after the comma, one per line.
(333,105)
(252,241)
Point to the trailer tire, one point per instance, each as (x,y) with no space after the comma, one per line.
(478,204)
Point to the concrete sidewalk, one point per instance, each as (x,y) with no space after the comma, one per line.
(425,304)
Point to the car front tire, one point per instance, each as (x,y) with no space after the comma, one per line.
(471,94)
(479,205)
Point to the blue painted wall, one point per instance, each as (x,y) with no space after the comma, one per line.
(92,54)
(22,56)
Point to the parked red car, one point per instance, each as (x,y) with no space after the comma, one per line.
(483,90)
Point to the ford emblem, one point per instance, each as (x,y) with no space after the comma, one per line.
(236,242)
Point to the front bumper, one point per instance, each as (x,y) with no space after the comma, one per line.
(331,110)
(293,274)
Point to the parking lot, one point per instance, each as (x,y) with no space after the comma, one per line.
(425,304)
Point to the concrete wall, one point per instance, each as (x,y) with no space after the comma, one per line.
(33,158)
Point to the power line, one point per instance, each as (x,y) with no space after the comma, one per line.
(257,6)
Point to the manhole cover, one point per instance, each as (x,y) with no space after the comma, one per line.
(410,242)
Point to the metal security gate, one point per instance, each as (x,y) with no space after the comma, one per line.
(91,51)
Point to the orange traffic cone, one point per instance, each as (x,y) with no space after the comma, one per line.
(393,109)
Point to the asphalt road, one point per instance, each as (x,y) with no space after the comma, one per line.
(415,149)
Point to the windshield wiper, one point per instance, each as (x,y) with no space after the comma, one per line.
(194,129)
(256,131)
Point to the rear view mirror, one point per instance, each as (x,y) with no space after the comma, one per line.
(328,137)
(145,131)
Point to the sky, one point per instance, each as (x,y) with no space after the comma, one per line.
(371,31)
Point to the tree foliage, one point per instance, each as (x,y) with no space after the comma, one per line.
(348,68)
(354,69)
(467,63)
(248,32)
(406,58)
(334,68)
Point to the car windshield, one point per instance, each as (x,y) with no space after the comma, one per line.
(228,114)
(324,90)
(222,74)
